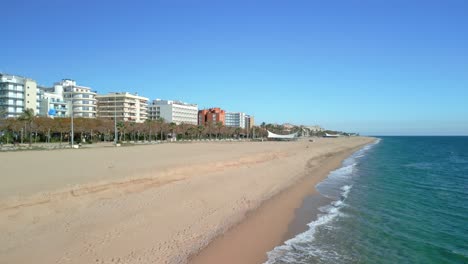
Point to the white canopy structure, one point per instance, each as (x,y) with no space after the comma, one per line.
(281,137)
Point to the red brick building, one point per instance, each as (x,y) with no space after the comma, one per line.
(213,115)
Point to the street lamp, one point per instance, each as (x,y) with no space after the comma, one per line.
(115,120)
(72,129)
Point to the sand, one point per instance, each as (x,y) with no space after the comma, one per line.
(152,204)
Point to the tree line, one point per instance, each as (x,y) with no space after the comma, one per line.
(34,129)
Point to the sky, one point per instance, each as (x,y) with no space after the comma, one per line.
(374,67)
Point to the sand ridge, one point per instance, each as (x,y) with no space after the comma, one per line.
(136,184)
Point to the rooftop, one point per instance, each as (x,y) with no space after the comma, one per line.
(159,101)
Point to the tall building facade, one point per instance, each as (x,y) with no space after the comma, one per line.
(249,121)
(174,111)
(83,99)
(235,120)
(212,115)
(17,94)
(52,103)
(123,106)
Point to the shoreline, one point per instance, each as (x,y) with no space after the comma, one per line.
(264,228)
(149,204)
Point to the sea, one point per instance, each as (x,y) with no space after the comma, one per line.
(398,200)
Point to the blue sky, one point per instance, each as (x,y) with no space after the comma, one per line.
(370,66)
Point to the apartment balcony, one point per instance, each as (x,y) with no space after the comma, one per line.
(83,98)
(58,106)
(82,103)
(77,110)
(58,103)
(11,104)
(78,97)
(110,112)
(7,96)
(11,90)
(112,106)
(118,101)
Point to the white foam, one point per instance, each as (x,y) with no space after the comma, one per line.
(293,246)
(293,249)
(345,190)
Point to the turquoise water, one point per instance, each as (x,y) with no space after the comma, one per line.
(402,200)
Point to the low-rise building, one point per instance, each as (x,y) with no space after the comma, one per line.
(173,111)
(315,128)
(123,106)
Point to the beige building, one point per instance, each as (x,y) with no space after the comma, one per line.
(124,106)
(249,122)
(31,96)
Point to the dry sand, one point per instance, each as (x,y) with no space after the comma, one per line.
(150,204)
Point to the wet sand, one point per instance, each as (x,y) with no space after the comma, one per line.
(275,221)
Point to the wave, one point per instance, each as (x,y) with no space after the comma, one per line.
(296,248)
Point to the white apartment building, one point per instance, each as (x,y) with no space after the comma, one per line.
(52,103)
(235,119)
(17,94)
(174,111)
(82,98)
(315,128)
(123,106)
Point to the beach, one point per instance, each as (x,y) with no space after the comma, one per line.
(159,203)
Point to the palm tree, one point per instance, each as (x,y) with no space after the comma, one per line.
(28,117)
(121,129)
